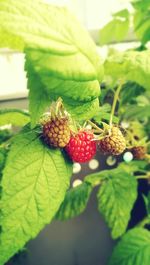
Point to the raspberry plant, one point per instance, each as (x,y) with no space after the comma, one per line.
(63,65)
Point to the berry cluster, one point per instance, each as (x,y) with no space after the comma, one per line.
(81,145)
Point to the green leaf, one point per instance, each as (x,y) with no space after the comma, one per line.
(117,29)
(75,202)
(64,60)
(15,117)
(116,198)
(3,154)
(137,112)
(142,25)
(39,98)
(134,248)
(5,134)
(34,183)
(130,66)
(62,79)
(82,111)
(133,166)
(129,92)
(142,5)
(104,116)
(95,179)
(59,50)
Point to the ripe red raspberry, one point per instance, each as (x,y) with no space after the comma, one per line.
(139,152)
(113,144)
(81,147)
(56,132)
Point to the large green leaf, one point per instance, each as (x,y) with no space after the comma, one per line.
(52,79)
(3,154)
(134,248)
(58,48)
(34,183)
(130,66)
(39,98)
(75,202)
(117,29)
(116,198)
(15,117)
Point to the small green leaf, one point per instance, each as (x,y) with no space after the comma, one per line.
(115,31)
(104,116)
(116,198)
(142,25)
(5,134)
(130,91)
(75,202)
(130,66)
(15,117)
(134,248)
(137,112)
(34,183)
(124,13)
(133,166)
(95,179)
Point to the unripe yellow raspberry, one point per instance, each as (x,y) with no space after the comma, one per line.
(56,132)
(113,143)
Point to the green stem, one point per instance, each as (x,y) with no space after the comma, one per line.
(144,222)
(95,126)
(142,177)
(116,96)
(6,143)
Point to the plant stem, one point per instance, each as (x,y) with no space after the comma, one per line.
(114,103)
(95,126)
(142,177)
(144,222)
(6,143)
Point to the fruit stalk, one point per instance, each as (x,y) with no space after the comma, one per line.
(116,96)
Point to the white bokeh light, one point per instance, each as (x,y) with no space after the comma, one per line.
(128,156)
(76,183)
(76,168)
(111,160)
(93,164)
